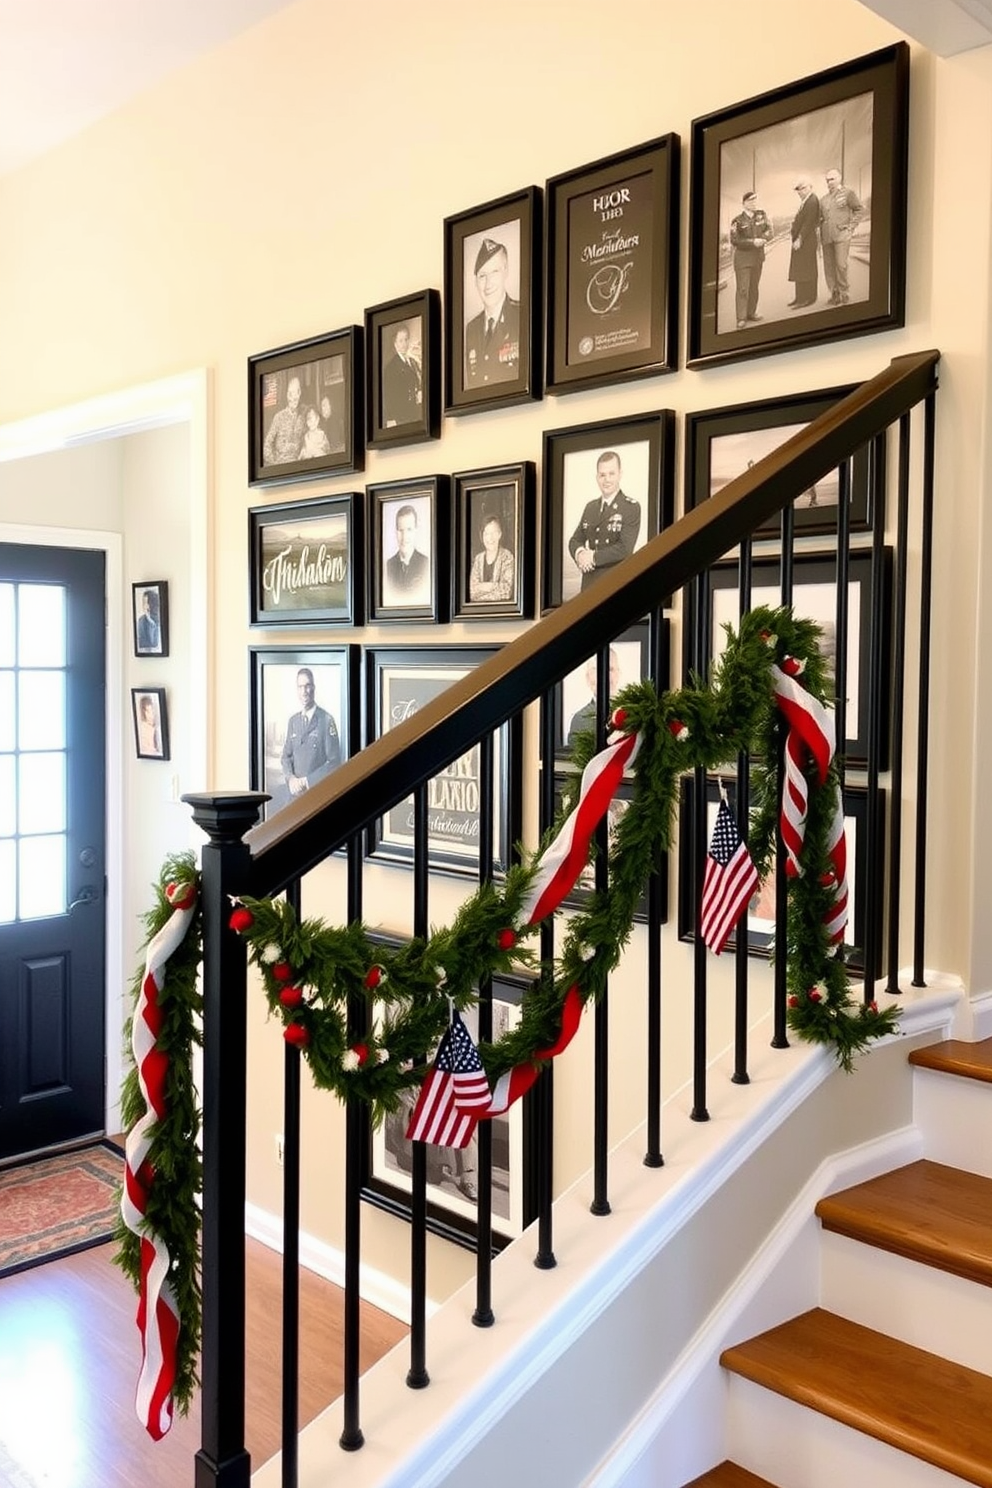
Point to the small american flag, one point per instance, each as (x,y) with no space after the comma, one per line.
(454,1094)
(730,880)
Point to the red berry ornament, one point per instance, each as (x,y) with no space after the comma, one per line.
(297,1035)
(291,997)
(282,971)
(241,919)
(506,940)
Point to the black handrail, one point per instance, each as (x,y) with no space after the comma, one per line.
(303,833)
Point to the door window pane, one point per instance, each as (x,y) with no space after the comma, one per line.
(8,813)
(41,710)
(6,625)
(41,625)
(41,793)
(7,733)
(42,876)
(8,906)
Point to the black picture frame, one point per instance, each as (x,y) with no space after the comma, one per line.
(403,381)
(506,370)
(573,459)
(815,598)
(452,1212)
(398,682)
(307,562)
(493,522)
(329,372)
(409,590)
(576,694)
(613,268)
(865,898)
(852,119)
(150,716)
(279,740)
(150,617)
(721,443)
(585,884)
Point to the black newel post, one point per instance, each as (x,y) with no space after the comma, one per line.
(222,1461)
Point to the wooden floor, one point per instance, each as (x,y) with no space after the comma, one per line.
(69,1356)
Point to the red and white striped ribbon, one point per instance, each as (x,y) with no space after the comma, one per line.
(158,1315)
(836,919)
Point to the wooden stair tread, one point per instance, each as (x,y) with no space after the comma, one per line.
(926,1211)
(957,1057)
(729,1475)
(915,1401)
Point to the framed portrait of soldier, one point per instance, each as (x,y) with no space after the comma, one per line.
(306,409)
(613,264)
(403,370)
(409,531)
(607,488)
(797,229)
(493,293)
(304,717)
(492,543)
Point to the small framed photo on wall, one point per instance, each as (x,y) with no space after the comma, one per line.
(150,615)
(493,543)
(151,722)
(409,526)
(493,304)
(306,411)
(403,364)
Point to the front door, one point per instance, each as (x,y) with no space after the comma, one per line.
(52,794)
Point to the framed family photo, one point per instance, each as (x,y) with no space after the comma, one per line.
(798,212)
(150,617)
(398,683)
(452,1173)
(608,487)
(307,562)
(150,714)
(304,717)
(865,898)
(403,370)
(409,529)
(494,304)
(306,415)
(721,443)
(613,264)
(493,532)
(815,598)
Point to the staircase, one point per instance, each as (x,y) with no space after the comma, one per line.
(889,1381)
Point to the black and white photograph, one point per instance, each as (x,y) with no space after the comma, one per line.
(452,1173)
(761,908)
(493,522)
(403,396)
(307,562)
(150,714)
(306,409)
(150,616)
(612,259)
(723,443)
(607,489)
(577,694)
(799,212)
(399,682)
(493,303)
(408,550)
(304,706)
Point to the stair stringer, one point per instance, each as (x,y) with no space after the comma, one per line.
(565,1387)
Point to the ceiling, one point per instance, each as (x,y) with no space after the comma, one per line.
(66,63)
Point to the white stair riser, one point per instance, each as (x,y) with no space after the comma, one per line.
(918,1304)
(797,1447)
(955,1117)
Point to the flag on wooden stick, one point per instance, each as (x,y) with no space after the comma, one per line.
(730,880)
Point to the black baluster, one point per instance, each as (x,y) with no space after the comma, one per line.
(658,670)
(483,1316)
(291,1248)
(543,1094)
(923,722)
(601,1053)
(417,1375)
(356,1135)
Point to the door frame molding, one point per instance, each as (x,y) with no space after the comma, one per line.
(183,399)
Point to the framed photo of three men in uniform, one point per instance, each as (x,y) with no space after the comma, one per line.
(493,304)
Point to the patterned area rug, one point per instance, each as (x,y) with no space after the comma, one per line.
(58,1205)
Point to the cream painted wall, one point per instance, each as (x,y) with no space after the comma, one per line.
(272,191)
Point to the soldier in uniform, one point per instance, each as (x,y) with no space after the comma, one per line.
(312,748)
(492,338)
(285,435)
(608,528)
(840,212)
(749,232)
(401,391)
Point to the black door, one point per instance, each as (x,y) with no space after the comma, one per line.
(52,793)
